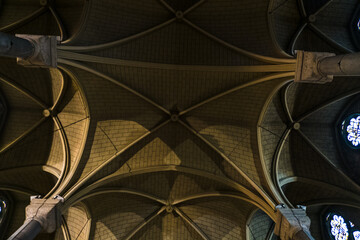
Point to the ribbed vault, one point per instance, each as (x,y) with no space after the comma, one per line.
(305,158)
(313,25)
(170,119)
(52,17)
(44,107)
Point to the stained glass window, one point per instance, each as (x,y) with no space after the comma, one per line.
(354,26)
(340,228)
(356,235)
(351,130)
(3,208)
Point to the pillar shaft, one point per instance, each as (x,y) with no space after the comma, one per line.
(11,46)
(28,231)
(303,235)
(341,65)
(41,215)
(307,67)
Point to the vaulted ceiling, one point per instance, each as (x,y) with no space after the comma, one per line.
(170,119)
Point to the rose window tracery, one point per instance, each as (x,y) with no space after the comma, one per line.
(338,228)
(356,235)
(353,130)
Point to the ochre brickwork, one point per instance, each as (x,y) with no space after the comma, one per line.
(201,170)
(34,146)
(302,193)
(170,226)
(272,127)
(230,219)
(170,185)
(285,11)
(181,5)
(17,122)
(72,13)
(236,20)
(56,84)
(306,165)
(331,23)
(108,22)
(57,154)
(259,225)
(33,179)
(316,95)
(115,215)
(15,98)
(231,129)
(78,222)
(174,89)
(39,85)
(269,142)
(14,11)
(177,43)
(334,22)
(310,41)
(285,167)
(43,23)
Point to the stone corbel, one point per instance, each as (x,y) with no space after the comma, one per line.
(46,212)
(292,224)
(307,67)
(45,53)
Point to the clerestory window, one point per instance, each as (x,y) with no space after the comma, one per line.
(6,207)
(350,130)
(3,209)
(341,228)
(355,27)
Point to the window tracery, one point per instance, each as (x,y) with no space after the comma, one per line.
(356,235)
(351,130)
(355,27)
(338,228)
(341,228)
(3,209)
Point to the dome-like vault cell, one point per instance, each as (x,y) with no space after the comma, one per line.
(304,125)
(324,25)
(62,18)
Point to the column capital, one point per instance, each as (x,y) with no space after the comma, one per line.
(307,71)
(46,212)
(45,53)
(292,223)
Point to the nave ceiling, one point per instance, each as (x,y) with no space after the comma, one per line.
(172,119)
